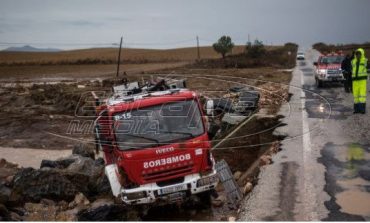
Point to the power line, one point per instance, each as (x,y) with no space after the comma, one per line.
(159,43)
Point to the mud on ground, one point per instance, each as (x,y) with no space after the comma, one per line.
(31,112)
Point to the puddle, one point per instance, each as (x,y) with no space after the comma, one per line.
(347,181)
(354,202)
(355,199)
(330,108)
(26,157)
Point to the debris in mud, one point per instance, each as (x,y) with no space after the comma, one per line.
(231,109)
(248,187)
(84,202)
(32,185)
(237,175)
(80,199)
(232,189)
(7,172)
(84,150)
(265,160)
(273,95)
(219,201)
(43,194)
(232,218)
(103,211)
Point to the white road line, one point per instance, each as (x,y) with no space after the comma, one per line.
(309,194)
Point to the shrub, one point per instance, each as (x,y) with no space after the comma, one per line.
(223,45)
(256,50)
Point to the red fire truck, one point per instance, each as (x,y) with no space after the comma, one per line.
(155,143)
(328,69)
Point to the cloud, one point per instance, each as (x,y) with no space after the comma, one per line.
(78,22)
(169,21)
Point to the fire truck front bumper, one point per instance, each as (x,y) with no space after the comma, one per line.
(152,193)
(331,78)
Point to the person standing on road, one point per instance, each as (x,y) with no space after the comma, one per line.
(359,79)
(347,72)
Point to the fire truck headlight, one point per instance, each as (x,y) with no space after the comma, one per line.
(135,195)
(322,71)
(207,180)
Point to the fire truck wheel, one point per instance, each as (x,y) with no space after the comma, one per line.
(205,198)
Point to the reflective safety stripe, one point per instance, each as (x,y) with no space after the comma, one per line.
(359,78)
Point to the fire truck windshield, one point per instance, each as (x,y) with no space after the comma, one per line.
(332,59)
(158,125)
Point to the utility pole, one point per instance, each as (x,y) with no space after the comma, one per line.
(198,48)
(119,57)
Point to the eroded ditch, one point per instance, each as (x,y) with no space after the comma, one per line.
(46,108)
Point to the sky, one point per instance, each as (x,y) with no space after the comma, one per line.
(70,24)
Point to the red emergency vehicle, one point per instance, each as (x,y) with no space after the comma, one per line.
(155,143)
(328,69)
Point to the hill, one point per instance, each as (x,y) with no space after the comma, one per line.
(28,48)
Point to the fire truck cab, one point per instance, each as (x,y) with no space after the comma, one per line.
(155,144)
(328,69)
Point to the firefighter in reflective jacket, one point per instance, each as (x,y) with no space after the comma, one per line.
(359,78)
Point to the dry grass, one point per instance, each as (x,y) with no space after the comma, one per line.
(80,71)
(72,64)
(109,56)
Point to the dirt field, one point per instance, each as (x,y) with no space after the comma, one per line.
(19,73)
(109,56)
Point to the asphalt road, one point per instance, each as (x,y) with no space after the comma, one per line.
(323,170)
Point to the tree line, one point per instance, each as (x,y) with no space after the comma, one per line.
(257,49)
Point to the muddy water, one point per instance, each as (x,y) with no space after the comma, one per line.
(348,177)
(11,83)
(354,202)
(27,157)
(355,199)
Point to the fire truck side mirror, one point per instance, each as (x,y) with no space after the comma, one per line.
(209,107)
(315,63)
